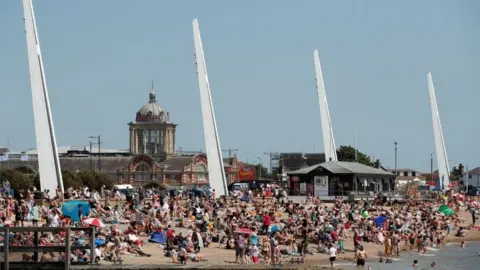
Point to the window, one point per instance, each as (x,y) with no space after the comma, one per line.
(142,172)
(405,173)
(201,172)
(140,141)
(161,141)
(414,173)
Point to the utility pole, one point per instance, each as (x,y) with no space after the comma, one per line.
(9,151)
(230,151)
(259,168)
(465,180)
(270,156)
(431,167)
(99,142)
(356,149)
(90,155)
(99,159)
(396,172)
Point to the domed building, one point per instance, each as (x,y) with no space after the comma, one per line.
(151,155)
(152,133)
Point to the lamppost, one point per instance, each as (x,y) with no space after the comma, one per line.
(98,143)
(90,155)
(259,168)
(270,155)
(396,173)
(431,167)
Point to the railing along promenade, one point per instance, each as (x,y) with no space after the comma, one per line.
(7,249)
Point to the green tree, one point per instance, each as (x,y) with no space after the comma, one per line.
(156,185)
(94,180)
(17,180)
(457,172)
(69,180)
(264,171)
(347,153)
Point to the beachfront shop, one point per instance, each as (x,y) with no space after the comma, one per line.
(339,178)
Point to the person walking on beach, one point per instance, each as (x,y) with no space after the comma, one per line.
(474,218)
(396,244)
(333,254)
(388,246)
(239,250)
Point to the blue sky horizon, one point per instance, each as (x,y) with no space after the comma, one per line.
(101,56)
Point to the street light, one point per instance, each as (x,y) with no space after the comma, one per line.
(259,167)
(98,143)
(396,144)
(270,155)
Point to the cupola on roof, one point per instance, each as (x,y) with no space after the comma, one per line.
(152,112)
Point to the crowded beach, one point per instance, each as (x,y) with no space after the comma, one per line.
(263,227)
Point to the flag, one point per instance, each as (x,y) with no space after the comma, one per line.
(4,157)
(24,158)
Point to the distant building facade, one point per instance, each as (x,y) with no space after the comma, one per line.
(151,155)
(473,177)
(405,176)
(152,133)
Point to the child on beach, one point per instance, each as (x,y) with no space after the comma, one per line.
(254,253)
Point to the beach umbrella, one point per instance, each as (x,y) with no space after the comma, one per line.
(380,220)
(446,210)
(273,228)
(93,222)
(70,209)
(243,231)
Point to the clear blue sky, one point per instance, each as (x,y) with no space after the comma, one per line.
(100,58)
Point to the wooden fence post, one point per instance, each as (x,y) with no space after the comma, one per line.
(6,244)
(35,242)
(67,249)
(92,246)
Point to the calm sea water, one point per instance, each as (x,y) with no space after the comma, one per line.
(452,257)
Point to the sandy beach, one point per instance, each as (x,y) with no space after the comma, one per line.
(217,256)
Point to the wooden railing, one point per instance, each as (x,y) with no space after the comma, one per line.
(7,248)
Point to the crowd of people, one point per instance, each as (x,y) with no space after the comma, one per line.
(259,227)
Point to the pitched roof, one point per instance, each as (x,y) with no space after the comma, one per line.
(475,171)
(343,167)
(177,163)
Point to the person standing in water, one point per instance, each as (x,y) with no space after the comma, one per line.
(332,250)
(360,256)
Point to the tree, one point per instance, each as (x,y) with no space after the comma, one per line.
(457,172)
(264,171)
(69,178)
(155,185)
(17,180)
(347,153)
(94,180)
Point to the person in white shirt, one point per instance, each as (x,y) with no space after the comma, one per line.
(55,220)
(333,254)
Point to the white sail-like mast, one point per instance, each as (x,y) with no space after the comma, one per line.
(327,130)
(216,171)
(48,161)
(440,150)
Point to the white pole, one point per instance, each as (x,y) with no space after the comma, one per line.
(466,179)
(356,143)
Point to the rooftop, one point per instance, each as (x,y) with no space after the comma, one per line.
(80,149)
(343,167)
